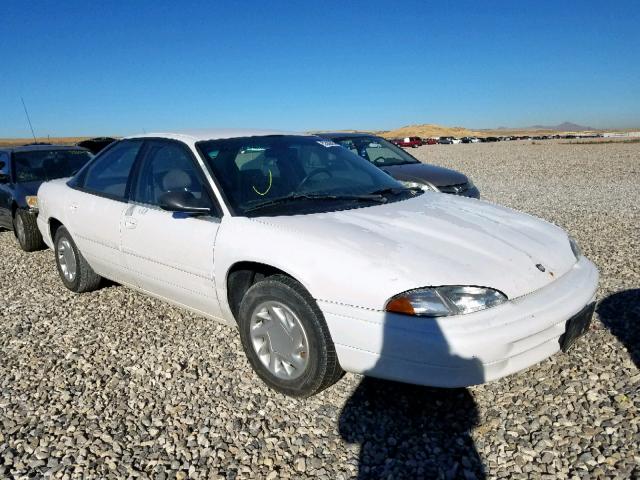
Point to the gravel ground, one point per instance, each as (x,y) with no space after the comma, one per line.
(114,384)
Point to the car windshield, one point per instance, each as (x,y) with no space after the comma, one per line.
(43,165)
(288,174)
(377,150)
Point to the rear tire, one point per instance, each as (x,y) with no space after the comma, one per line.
(313,365)
(26,230)
(76,274)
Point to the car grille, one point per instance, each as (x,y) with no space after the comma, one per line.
(458,189)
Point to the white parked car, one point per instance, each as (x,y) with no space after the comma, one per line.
(323,262)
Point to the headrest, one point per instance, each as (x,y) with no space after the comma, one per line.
(176,180)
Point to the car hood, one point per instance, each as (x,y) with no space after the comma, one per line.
(438,176)
(364,256)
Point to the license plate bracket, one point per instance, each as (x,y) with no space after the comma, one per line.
(576,326)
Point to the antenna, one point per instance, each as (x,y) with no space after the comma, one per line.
(28,120)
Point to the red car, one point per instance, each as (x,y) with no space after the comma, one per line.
(408,142)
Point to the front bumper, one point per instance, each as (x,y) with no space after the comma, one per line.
(462,190)
(463,350)
(43,226)
(473,192)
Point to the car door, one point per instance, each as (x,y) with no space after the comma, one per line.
(171,254)
(96,205)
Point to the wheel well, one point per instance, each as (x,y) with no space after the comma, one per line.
(14,208)
(54,225)
(242,276)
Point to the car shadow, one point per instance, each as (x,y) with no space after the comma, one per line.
(620,313)
(411,431)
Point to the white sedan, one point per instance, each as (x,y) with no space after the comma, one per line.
(323,262)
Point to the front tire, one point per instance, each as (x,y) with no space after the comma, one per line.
(286,339)
(26,230)
(76,274)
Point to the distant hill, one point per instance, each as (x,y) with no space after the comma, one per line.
(427,130)
(431,130)
(561,127)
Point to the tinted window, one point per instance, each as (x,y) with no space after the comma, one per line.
(43,165)
(168,167)
(377,150)
(109,173)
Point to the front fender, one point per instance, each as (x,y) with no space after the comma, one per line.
(243,240)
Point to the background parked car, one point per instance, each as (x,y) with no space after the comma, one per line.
(445,140)
(95,145)
(22,171)
(409,142)
(431,141)
(402,166)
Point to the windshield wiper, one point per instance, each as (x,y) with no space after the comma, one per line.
(397,191)
(371,197)
(390,190)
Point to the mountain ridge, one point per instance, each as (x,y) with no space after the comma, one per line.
(561,127)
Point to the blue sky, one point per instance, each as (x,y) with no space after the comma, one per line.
(93,68)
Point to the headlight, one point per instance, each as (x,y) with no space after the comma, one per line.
(426,186)
(575,248)
(31,201)
(445,301)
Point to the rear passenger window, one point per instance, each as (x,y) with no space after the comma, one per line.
(109,174)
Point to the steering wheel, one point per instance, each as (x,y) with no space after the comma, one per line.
(380,160)
(312,174)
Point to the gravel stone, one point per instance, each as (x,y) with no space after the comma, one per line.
(112,384)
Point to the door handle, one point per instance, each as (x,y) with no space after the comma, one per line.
(130,222)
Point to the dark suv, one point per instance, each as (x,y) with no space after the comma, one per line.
(22,170)
(403,167)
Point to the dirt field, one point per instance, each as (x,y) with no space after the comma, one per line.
(114,384)
(12,142)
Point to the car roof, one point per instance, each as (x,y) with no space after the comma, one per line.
(40,147)
(213,134)
(99,139)
(346,134)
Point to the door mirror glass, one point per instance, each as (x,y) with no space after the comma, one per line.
(184,202)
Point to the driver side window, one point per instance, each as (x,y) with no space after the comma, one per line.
(168,167)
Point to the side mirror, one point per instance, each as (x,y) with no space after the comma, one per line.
(183,202)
